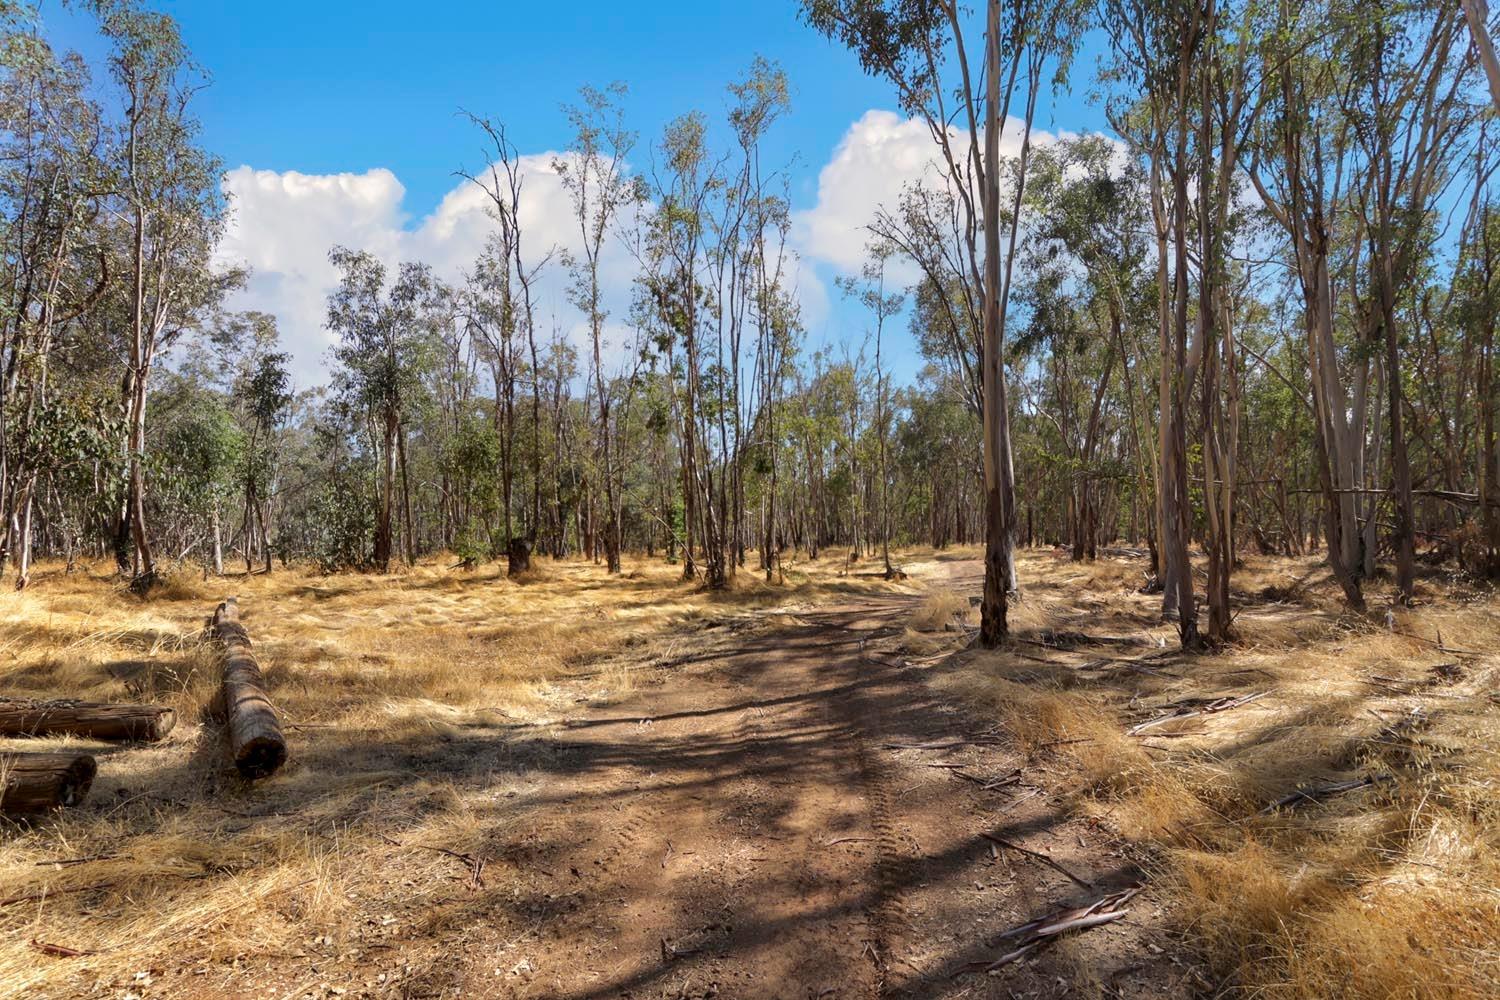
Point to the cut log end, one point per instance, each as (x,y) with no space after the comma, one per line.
(260,757)
(73,787)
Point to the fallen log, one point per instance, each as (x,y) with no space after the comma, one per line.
(41,782)
(255,742)
(92,720)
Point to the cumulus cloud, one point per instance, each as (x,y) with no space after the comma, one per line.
(284,223)
(881,155)
(282,226)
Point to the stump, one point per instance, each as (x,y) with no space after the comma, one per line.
(518,557)
(255,741)
(93,720)
(40,782)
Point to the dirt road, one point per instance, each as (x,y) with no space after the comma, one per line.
(763,824)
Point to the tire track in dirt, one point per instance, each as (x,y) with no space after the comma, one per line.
(743,830)
(893,868)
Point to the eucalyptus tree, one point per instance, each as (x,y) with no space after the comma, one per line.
(672,256)
(385,346)
(1476,13)
(1477,315)
(869,291)
(908,45)
(491,313)
(197,454)
(761,98)
(1088,243)
(503,183)
(264,392)
(1414,128)
(52,186)
(596,176)
(1156,52)
(167,198)
(1298,165)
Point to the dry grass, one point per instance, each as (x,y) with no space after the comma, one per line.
(938,609)
(1391,890)
(408,700)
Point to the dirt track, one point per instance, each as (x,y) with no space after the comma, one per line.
(758,825)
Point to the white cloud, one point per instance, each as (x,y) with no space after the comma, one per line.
(282,227)
(879,156)
(876,159)
(284,224)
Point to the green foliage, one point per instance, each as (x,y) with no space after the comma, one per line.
(342,518)
(198,453)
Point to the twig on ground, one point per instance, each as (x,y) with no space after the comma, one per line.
(1315,794)
(61,862)
(944,744)
(59,950)
(33,896)
(990,784)
(475,864)
(1039,856)
(1035,933)
(1189,712)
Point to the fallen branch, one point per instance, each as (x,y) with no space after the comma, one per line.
(92,720)
(1035,933)
(1316,794)
(1063,639)
(1046,859)
(1190,712)
(1436,643)
(990,784)
(1136,664)
(41,782)
(944,744)
(64,862)
(32,897)
(59,950)
(474,863)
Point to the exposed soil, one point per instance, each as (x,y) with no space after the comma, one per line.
(762,822)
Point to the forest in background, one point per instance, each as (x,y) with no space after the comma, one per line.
(1259,316)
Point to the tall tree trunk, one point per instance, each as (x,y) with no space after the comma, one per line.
(1476,12)
(383,538)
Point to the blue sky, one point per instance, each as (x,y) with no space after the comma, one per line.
(348,113)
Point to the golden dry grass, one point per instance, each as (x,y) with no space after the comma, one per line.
(1391,890)
(938,609)
(403,695)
